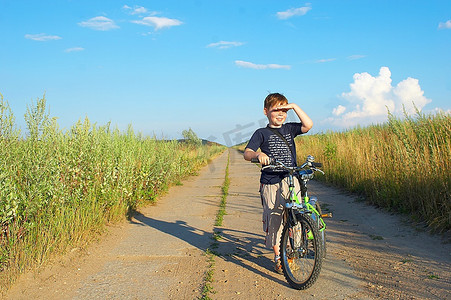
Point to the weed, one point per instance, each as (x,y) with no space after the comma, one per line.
(217,235)
(225,193)
(208,277)
(210,252)
(376,237)
(59,189)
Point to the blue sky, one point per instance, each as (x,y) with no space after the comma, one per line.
(166,66)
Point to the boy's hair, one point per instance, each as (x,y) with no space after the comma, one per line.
(274,99)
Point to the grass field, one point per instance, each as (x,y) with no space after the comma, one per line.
(58,189)
(403,165)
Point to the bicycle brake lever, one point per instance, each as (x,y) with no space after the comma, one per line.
(272,163)
(315,169)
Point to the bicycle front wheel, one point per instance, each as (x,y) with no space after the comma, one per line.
(301,252)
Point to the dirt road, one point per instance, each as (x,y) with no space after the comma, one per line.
(160,253)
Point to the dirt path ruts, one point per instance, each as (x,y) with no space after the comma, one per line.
(160,253)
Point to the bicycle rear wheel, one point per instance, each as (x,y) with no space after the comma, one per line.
(301,252)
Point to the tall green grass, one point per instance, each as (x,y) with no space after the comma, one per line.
(403,165)
(58,188)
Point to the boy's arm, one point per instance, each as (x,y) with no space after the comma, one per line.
(250,154)
(307,123)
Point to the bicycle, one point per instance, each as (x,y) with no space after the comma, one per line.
(303,241)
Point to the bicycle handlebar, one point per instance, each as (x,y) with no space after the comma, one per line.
(309,163)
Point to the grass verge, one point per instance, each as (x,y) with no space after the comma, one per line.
(211,253)
(58,189)
(225,193)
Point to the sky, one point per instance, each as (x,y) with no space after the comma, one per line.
(167,66)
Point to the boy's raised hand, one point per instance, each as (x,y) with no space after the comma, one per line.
(283,107)
(307,123)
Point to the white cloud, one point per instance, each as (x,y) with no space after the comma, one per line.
(300,11)
(445,25)
(409,94)
(325,60)
(74,49)
(158,22)
(356,56)
(340,109)
(370,97)
(99,23)
(250,65)
(137,10)
(225,45)
(42,37)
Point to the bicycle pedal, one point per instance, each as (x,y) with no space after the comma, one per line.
(328,215)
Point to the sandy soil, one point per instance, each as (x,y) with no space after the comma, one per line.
(160,253)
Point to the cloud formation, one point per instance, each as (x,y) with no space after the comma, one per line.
(42,37)
(356,56)
(250,65)
(292,12)
(158,22)
(338,110)
(74,49)
(136,10)
(445,25)
(224,45)
(99,23)
(324,60)
(150,18)
(370,97)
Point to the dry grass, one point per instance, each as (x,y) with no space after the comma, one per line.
(403,165)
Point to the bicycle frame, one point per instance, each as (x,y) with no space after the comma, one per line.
(303,240)
(308,207)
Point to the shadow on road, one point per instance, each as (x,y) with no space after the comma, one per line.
(239,247)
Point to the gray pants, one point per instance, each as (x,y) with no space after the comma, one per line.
(273,200)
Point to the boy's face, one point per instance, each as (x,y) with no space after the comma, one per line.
(276,114)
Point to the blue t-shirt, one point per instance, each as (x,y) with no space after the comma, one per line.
(273,146)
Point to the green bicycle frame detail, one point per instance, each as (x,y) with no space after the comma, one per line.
(294,197)
(310,207)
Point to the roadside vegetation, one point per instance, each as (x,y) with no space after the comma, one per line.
(211,252)
(403,165)
(225,193)
(58,189)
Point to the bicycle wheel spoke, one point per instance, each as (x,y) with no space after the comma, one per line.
(301,256)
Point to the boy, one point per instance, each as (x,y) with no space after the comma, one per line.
(273,182)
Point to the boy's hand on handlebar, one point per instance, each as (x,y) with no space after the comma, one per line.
(263,158)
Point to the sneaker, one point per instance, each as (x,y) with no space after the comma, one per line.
(278,266)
